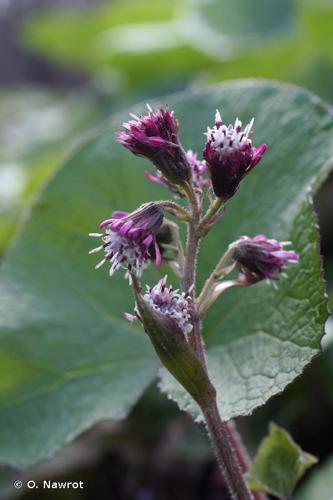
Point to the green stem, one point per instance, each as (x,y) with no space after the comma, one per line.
(176,210)
(206,297)
(212,210)
(188,281)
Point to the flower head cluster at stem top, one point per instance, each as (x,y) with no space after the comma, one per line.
(230,155)
(172,317)
(168,302)
(260,258)
(129,240)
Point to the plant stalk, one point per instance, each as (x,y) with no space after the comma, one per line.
(225,453)
(188,280)
(211,212)
(175,210)
(231,454)
(242,454)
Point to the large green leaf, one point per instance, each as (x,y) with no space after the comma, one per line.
(36,126)
(68,357)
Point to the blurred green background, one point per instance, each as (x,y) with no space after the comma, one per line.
(66,65)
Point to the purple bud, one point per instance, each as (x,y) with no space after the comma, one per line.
(166,318)
(230,155)
(260,258)
(198,173)
(129,240)
(155,136)
(169,303)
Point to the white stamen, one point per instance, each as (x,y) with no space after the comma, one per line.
(238,123)
(97,249)
(100,263)
(226,138)
(248,128)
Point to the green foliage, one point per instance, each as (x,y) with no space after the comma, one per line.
(70,36)
(238,26)
(319,485)
(259,339)
(124,37)
(36,126)
(279,464)
(69,359)
(139,44)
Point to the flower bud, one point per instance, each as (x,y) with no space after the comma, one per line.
(198,173)
(260,258)
(230,155)
(165,315)
(155,136)
(130,239)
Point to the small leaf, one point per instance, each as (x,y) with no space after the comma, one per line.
(279,464)
(319,485)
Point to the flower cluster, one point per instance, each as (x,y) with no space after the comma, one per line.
(172,317)
(168,302)
(261,258)
(230,155)
(130,239)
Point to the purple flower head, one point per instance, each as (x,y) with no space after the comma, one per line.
(260,258)
(129,240)
(155,136)
(230,155)
(168,302)
(198,171)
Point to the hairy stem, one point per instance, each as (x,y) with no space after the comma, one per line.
(226,443)
(213,209)
(226,455)
(219,272)
(188,281)
(242,454)
(175,210)
(233,439)
(222,434)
